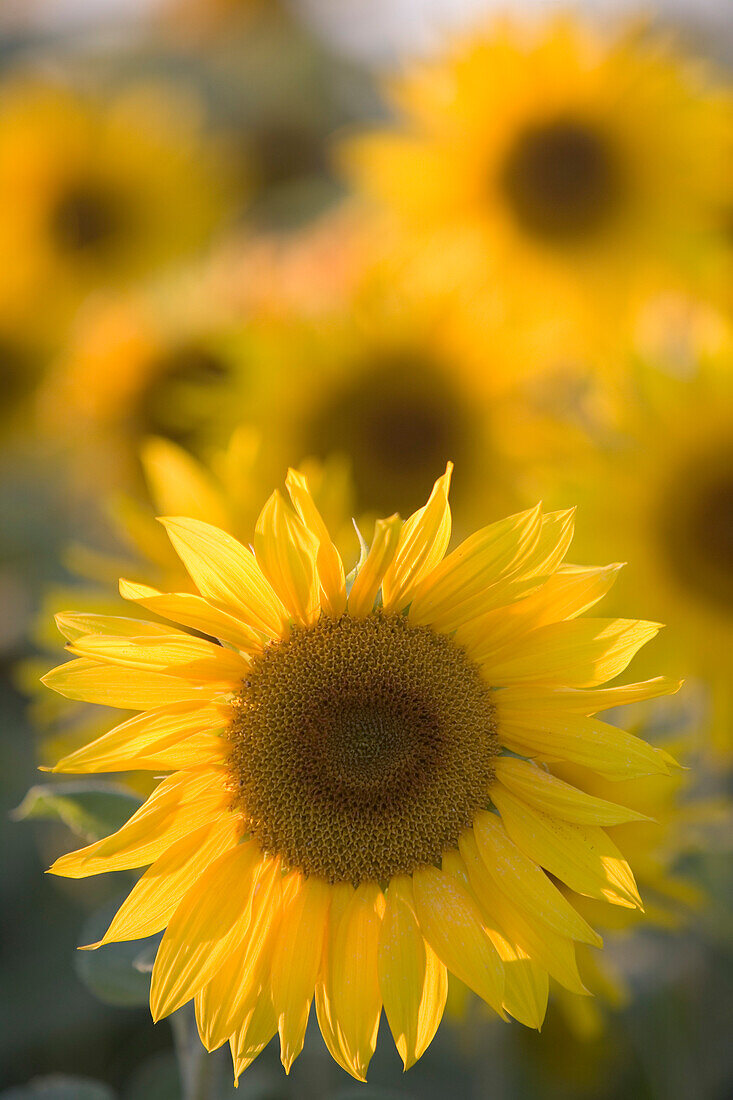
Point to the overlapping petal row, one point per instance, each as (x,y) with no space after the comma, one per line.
(254,942)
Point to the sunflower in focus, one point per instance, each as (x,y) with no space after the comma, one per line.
(667,508)
(358,800)
(544,174)
(99,191)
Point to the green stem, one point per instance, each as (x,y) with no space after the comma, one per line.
(199,1071)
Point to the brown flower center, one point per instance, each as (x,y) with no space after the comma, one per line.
(395,419)
(562,181)
(86,218)
(695,526)
(183,392)
(362,748)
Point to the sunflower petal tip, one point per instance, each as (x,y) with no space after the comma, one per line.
(90,946)
(295,476)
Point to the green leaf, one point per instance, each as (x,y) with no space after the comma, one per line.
(90,810)
(60,1087)
(113,972)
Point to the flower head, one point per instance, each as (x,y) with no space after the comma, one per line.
(99,191)
(667,507)
(360,797)
(544,173)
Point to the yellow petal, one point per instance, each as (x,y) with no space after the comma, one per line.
(569,592)
(76,624)
(576,701)
(392,167)
(582,856)
(179,805)
(194,612)
(356,999)
(369,578)
(553,796)
(460,587)
(556,534)
(525,983)
(218,1002)
(226,573)
(547,949)
(552,736)
(155,896)
(578,653)
(525,883)
(412,979)
(143,738)
(296,961)
(208,925)
(527,990)
(257,1025)
(566,594)
(125,688)
(328,1022)
(179,485)
(452,924)
(287,553)
(330,566)
(422,543)
(173,654)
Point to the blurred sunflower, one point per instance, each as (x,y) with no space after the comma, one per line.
(354,808)
(377,381)
(98,191)
(136,365)
(667,508)
(544,175)
(173,359)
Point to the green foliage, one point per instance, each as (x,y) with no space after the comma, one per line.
(118,973)
(90,809)
(60,1087)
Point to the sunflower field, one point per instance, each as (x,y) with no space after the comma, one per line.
(366,472)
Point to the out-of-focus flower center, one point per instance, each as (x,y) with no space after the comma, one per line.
(361,748)
(561,180)
(395,420)
(178,396)
(87,217)
(18,372)
(695,526)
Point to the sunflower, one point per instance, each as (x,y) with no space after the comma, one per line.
(378,381)
(547,174)
(136,365)
(357,802)
(666,507)
(99,191)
